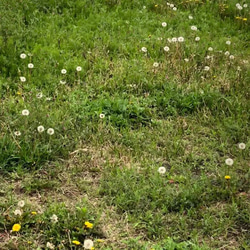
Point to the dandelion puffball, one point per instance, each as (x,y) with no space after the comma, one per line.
(162,170)
(164,24)
(193,28)
(25,112)
(50,131)
(156,64)
(54,218)
(39,95)
(210,49)
(23,56)
(206,68)
(102,116)
(22,79)
(229,162)
(78,68)
(21,203)
(166,48)
(40,129)
(228,42)
(197,39)
(88,244)
(30,65)
(17,133)
(63,71)
(180,39)
(144,49)
(242,145)
(18,212)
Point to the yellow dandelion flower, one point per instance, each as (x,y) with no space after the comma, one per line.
(92,248)
(237,17)
(33,212)
(76,242)
(18,93)
(156,5)
(244,19)
(227,177)
(16,228)
(88,224)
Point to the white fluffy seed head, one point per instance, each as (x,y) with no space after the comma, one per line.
(229,162)
(162,170)
(88,244)
(50,131)
(40,129)
(25,112)
(63,71)
(242,145)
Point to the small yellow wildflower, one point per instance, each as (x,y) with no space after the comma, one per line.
(237,17)
(156,5)
(29,242)
(244,19)
(92,248)
(76,242)
(16,227)
(227,177)
(88,224)
(19,93)
(100,240)
(33,212)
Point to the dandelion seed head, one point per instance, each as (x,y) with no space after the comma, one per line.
(155,64)
(229,162)
(181,39)
(21,203)
(227,53)
(40,129)
(30,65)
(174,9)
(166,48)
(39,95)
(78,68)
(231,57)
(88,244)
(186,59)
(50,245)
(206,68)
(245,5)
(162,170)
(17,133)
(18,212)
(144,49)
(102,116)
(193,28)
(164,24)
(63,71)
(197,39)
(174,39)
(25,112)
(50,131)
(54,218)
(242,145)
(210,49)
(190,17)
(23,56)
(22,79)
(62,82)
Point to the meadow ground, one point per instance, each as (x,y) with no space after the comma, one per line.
(124,124)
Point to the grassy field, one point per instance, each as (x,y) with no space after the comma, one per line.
(124,124)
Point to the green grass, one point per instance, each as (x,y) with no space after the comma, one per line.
(105,170)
